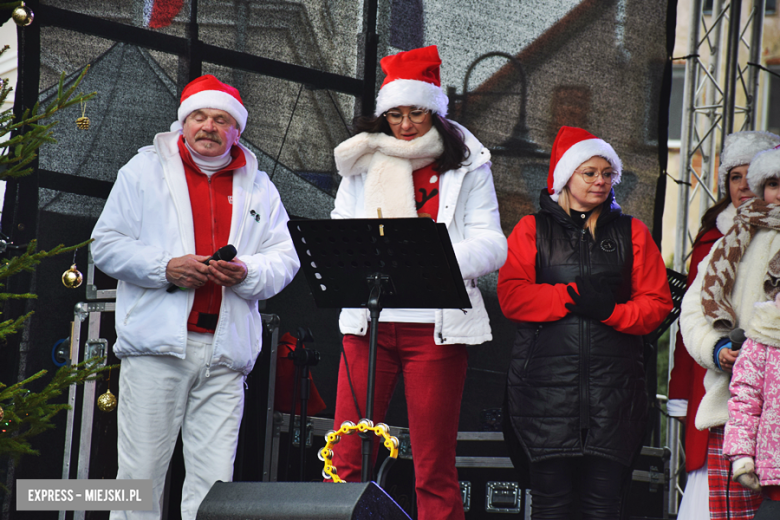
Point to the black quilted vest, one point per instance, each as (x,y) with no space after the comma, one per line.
(577,386)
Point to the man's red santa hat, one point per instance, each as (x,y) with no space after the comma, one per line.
(412,80)
(208,92)
(572,147)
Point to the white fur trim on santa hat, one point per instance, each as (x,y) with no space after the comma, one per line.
(411,92)
(740,148)
(764,166)
(217,100)
(578,154)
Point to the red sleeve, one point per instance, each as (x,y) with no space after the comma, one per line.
(651,300)
(681,378)
(520,297)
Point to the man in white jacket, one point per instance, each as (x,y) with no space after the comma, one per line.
(188,328)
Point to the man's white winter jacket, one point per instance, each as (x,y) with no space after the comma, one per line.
(147,221)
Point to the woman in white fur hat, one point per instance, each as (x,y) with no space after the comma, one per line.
(686,384)
(410,161)
(731,279)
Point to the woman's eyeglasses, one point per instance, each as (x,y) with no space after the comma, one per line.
(395,117)
(590,176)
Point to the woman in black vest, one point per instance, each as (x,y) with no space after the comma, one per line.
(584,282)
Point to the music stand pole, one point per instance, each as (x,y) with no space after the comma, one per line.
(374,307)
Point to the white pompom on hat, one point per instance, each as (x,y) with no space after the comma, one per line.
(739,149)
(764,166)
(572,147)
(208,92)
(412,80)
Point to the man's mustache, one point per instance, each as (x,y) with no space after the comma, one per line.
(213,136)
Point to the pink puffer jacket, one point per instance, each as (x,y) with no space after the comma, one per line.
(753,428)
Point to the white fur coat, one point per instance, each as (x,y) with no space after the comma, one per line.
(700,338)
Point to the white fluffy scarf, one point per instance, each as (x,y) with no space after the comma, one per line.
(389,163)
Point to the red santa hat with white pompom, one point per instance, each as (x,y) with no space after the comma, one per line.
(412,80)
(209,92)
(572,147)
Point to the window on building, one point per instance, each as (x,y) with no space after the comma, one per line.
(773,101)
(676,104)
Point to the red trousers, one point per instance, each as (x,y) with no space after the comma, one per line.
(434,376)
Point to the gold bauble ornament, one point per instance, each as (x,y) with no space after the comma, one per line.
(2,413)
(107,402)
(72,278)
(22,15)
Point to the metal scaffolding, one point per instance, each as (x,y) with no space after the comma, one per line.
(719,97)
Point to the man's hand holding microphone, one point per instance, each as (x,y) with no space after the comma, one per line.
(193,271)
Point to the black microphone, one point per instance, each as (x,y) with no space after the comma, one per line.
(226,253)
(737,337)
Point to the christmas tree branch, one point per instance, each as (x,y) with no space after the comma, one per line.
(19,151)
(26,413)
(30,258)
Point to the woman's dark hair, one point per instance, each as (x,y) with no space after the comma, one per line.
(455,149)
(710,218)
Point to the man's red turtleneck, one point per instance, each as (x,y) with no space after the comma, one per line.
(211,199)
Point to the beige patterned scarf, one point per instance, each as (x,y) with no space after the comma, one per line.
(722,269)
(388,163)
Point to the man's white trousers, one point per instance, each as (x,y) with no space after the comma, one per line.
(158,395)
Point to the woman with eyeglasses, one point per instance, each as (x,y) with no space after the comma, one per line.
(584,282)
(409,161)
(707,469)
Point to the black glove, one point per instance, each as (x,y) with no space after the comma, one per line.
(597,302)
(611,281)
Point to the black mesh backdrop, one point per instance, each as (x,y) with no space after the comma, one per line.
(313,33)
(515,72)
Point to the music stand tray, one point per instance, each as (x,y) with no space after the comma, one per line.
(338,256)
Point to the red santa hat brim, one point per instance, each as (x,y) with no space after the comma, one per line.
(577,154)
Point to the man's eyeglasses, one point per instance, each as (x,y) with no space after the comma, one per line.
(590,176)
(395,117)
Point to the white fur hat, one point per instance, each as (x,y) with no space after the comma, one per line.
(764,166)
(412,78)
(739,148)
(572,147)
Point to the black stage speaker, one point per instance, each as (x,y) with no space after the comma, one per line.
(298,500)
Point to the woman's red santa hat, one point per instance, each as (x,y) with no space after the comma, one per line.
(208,92)
(412,80)
(572,147)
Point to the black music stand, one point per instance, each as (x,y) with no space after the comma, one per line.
(404,263)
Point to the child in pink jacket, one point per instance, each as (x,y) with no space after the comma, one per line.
(752,434)
(752,438)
